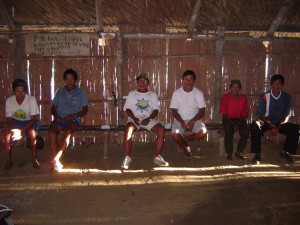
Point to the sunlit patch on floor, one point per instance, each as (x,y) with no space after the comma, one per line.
(73,170)
(159,179)
(184,169)
(214,167)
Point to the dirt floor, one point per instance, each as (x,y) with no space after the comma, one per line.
(207,189)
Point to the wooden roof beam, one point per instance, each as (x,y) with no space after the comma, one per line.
(279,17)
(5,15)
(194,16)
(99,16)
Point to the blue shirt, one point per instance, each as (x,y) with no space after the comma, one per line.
(69,102)
(276,109)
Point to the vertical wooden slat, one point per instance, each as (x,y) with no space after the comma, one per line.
(120,75)
(17,57)
(218,74)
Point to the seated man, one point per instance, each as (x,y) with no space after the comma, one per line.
(21,118)
(69,104)
(234,109)
(273,111)
(188,107)
(142,107)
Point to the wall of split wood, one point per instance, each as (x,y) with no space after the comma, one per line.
(164,60)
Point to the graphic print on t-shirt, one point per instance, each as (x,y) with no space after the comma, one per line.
(20,113)
(142,105)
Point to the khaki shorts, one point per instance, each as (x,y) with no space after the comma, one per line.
(178,129)
(150,125)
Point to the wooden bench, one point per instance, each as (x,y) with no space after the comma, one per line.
(121,129)
(91,131)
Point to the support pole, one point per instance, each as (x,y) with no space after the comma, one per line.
(120,118)
(218,75)
(17,57)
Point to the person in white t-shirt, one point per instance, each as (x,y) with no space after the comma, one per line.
(21,119)
(142,108)
(188,107)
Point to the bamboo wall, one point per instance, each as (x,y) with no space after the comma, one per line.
(164,60)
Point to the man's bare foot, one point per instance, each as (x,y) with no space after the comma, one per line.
(56,166)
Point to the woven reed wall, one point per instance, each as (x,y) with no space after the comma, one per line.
(164,60)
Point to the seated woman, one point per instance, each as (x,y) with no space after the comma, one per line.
(234,109)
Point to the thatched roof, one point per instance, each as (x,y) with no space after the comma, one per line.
(200,16)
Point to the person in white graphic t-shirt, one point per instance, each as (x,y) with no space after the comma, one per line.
(21,112)
(188,107)
(142,108)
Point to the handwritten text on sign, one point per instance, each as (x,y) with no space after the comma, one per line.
(62,44)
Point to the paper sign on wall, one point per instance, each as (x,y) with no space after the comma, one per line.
(58,44)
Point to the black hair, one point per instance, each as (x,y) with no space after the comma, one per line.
(189,72)
(72,72)
(19,83)
(238,82)
(277,77)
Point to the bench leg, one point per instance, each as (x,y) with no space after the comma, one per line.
(106,144)
(221,145)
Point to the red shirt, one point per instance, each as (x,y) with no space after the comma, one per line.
(234,107)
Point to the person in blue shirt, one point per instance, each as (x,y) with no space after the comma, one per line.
(69,104)
(273,110)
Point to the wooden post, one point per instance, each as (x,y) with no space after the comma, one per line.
(17,57)
(120,118)
(99,16)
(218,74)
(279,18)
(106,144)
(194,16)
(5,15)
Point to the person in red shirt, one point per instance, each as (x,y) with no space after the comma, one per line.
(234,109)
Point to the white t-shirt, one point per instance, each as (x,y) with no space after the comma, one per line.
(24,111)
(141,104)
(187,103)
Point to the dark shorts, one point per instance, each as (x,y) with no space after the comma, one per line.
(22,123)
(64,124)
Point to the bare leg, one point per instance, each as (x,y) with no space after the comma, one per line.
(179,140)
(8,149)
(182,143)
(160,132)
(195,137)
(63,144)
(129,129)
(32,136)
(53,134)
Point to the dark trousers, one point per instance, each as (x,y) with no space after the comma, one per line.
(229,131)
(291,130)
